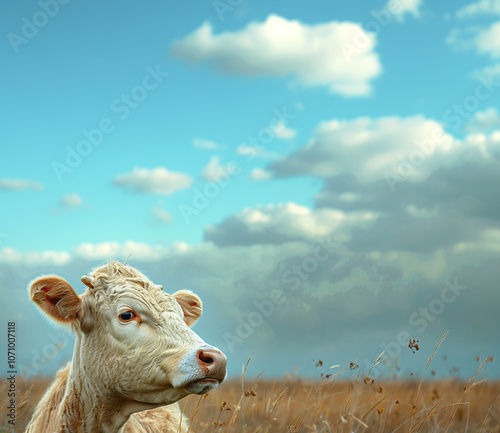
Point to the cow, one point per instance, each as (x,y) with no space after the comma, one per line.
(135,355)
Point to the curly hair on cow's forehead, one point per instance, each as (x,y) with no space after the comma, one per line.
(115,272)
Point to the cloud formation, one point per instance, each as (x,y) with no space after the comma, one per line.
(19,184)
(206,144)
(484,121)
(312,53)
(260,174)
(71,201)
(284,132)
(478,8)
(213,171)
(479,37)
(158,180)
(161,216)
(285,222)
(370,149)
(401,8)
(12,256)
(140,251)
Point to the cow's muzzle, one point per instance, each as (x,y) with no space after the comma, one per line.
(202,369)
(213,363)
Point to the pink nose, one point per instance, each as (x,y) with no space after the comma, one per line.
(213,362)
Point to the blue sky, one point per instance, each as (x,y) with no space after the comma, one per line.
(340,100)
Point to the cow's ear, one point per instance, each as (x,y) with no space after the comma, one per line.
(190,304)
(56,298)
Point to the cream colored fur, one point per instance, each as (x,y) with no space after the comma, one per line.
(165,419)
(122,374)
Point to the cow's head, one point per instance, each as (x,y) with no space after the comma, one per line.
(133,339)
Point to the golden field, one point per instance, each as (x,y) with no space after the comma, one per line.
(360,404)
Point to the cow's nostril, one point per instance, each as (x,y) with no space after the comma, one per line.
(212,362)
(205,357)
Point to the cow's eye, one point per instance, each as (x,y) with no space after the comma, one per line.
(127,316)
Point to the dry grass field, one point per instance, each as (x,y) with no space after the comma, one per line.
(329,404)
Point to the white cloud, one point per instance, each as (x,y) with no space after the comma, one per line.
(254,151)
(161,216)
(139,251)
(424,213)
(282,131)
(480,147)
(259,174)
(20,184)
(70,201)
(349,197)
(401,8)
(488,40)
(463,39)
(370,148)
(313,54)
(12,256)
(488,242)
(291,218)
(247,150)
(206,144)
(286,222)
(481,7)
(489,73)
(155,181)
(484,121)
(213,171)
(484,40)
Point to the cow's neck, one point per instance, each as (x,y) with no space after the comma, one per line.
(89,406)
